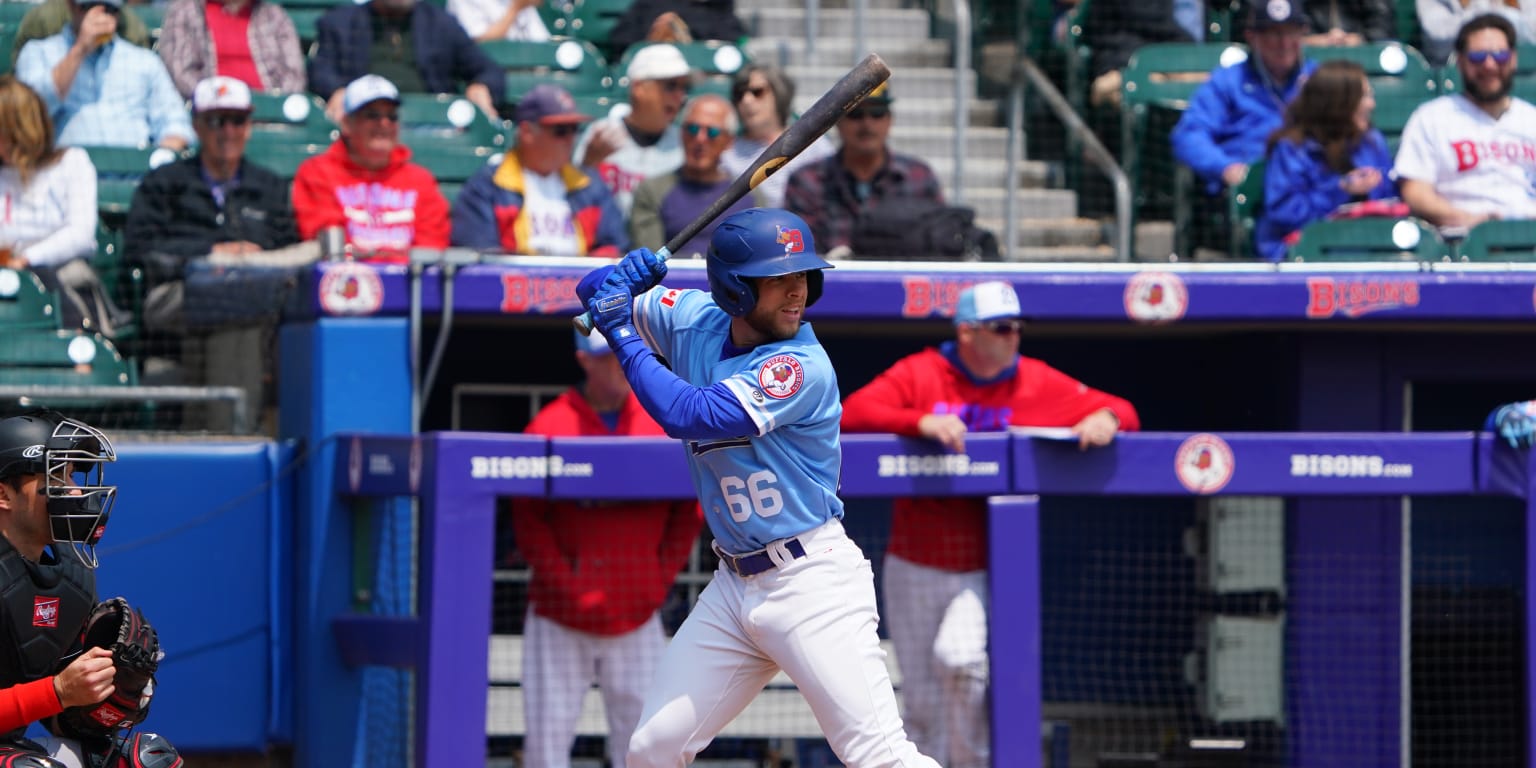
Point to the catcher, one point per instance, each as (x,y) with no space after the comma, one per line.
(85,671)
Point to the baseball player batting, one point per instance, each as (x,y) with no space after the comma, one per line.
(754,397)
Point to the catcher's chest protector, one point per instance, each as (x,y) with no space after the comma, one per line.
(44,609)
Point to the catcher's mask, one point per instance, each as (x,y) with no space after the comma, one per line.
(72,458)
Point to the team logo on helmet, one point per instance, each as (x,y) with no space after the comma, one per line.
(32,452)
(791,239)
(781,376)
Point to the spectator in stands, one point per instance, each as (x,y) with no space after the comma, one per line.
(763,95)
(1440,20)
(1344,23)
(252,41)
(1471,156)
(666,204)
(50,17)
(415,45)
(601,572)
(1114,29)
(366,183)
(936,562)
(500,19)
(219,207)
(48,209)
(536,201)
(1230,118)
(100,93)
(1325,155)
(645,142)
(676,21)
(864,175)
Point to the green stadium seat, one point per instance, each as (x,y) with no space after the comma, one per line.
(104,368)
(51,348)
(557,15)
(293,117)
(25,303)
(593,21)
(448,120)
(12,12)
(1500,240)
(575,65)
(124,281)
(1391,66)
(153,16)
(304,19)
(449,165)
(279,153)
(118,170)
(1370,239)
(1243,205)
(7,44)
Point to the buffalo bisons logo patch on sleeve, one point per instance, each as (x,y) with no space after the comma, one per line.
(781,376)
(45,611)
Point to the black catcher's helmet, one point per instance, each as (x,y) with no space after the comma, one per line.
(72,458)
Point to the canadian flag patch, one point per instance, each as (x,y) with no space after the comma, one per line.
(669,299)
(45,611)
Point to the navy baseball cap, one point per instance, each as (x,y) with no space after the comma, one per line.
(1265,14)
(549,104)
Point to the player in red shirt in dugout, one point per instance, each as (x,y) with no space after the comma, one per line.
(935,564)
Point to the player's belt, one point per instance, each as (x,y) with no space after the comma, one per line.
(753,563)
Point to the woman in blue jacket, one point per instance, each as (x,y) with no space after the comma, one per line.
(1325,155)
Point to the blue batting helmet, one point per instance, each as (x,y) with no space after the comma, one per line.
(760,242)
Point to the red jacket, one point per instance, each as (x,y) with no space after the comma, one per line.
(950,532)
(385,212)
(28,703)
(601,568)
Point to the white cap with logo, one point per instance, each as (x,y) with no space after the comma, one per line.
(367,89)
(662,61)
(994,300)
(221,93)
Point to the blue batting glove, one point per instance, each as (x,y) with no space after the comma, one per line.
(590,282)
(610,310)
(641,270)
(1516,423)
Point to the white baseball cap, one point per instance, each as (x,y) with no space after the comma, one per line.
(367,89)
(221,93)
(994,300)
(662,61)
(592,344)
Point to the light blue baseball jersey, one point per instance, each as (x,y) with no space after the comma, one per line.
(783,480)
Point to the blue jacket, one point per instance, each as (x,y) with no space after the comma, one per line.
(1300,188)
(1230,118)
(445,54)
(489,214)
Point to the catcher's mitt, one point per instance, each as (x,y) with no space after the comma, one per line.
(135,654)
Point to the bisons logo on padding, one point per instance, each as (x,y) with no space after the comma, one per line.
(349,288)
(781,376)
(1204,463)
(1156,297)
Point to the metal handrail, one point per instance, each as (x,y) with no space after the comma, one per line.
(1027,74)
(962,97)
(240,416)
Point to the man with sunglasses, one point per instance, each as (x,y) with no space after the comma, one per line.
(665,204)
(100,92)
(935,564)
(630,147)
(536,201)
(216,205)
(1469,157)
(864,175)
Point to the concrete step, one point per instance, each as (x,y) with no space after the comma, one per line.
(982,144)
(979,174)
(988,202)
(1058,254)
(893,23)
(908,83)
(1051,233)
(899,53)
(929,113)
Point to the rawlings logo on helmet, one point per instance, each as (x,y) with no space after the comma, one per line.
(791,239)
(32,452)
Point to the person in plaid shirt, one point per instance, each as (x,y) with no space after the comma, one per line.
(832,194)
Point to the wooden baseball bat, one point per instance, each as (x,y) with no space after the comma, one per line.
(842,97)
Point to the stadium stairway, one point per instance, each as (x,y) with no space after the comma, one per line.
(923,84)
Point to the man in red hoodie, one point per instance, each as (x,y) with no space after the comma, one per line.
(366,183)
(935,564)
(601,571)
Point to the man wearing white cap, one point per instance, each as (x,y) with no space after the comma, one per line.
(366,183)
(644,142)
(102,92)
(935,564)
(601,571)
(215,205)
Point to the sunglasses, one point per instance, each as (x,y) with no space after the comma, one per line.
(219,121)
(873,113)
(694,130)
(681,85)
(563,131)
(1003,327)
(1499,57)
(371,116)
(757,93)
